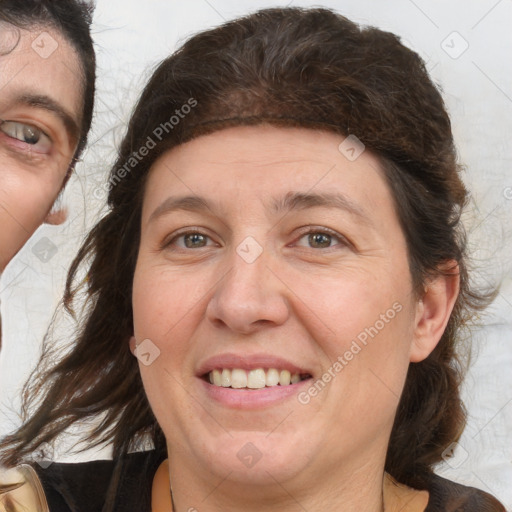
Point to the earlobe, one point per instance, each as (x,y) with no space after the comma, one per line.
(434,310)
(133,344)
(57,217)
(58,213)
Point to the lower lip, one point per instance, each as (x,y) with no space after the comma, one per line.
(252,398)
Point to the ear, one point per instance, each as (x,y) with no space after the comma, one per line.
(433,311)
(133,344)
(57,216)
(58,213)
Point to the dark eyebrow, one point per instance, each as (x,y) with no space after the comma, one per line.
(50,105)
(188,203)
(294,201)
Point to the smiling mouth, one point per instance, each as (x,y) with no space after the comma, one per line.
(258,378)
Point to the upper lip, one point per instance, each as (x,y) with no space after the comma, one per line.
(248,362)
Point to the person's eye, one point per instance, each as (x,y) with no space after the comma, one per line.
(190,240)
(320,239)
(28,134)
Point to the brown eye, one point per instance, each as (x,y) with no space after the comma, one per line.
(319,240)
(188,240)
(195,240)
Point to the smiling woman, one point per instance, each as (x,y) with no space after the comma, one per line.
(297,234)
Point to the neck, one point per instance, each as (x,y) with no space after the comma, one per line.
(395,497)
(361,490)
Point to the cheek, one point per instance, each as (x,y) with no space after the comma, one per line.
(28,193)
(363,323)
(165,311)
(372,360)
(165,303)
(352,303)
(24,204)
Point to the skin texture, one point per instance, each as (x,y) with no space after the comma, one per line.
(33,174)
(297,301)
(397,497)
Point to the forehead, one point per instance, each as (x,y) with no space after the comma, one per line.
(264,162)
(39,61)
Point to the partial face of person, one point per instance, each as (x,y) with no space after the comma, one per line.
(273,304)
(40,112)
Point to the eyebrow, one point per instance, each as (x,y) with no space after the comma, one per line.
(187,203)
(293,201)
(50,105)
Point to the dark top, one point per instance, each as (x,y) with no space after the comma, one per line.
(82,487)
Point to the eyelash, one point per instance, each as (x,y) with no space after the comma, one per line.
(314,230)
(176,236)
(18,138)
(308,231)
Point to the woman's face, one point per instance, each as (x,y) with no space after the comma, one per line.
(40,112)
(267,254)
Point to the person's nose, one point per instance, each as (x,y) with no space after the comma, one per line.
(249,297)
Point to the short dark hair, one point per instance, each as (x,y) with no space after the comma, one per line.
(73,19)
(292,67)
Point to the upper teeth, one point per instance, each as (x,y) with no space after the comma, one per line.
(252,379)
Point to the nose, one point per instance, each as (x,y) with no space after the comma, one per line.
(248,298)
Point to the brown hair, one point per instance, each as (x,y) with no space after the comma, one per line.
(289,67)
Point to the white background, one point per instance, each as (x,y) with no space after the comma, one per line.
(132,36)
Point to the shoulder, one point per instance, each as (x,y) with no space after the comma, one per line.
(446,495)
(77,487)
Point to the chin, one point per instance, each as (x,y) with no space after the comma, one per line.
(256,458)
